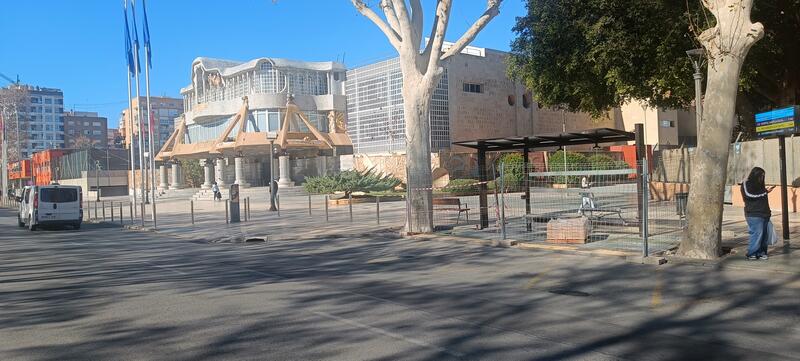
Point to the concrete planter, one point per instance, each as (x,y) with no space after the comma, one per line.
(362,199)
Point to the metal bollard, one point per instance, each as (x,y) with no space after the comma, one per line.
(104,211)
(121,221)
(378,209)
(131,214)
(309,204)
(191,207)
(95,210)
(249,216)
(350,204)
(227,221)
(326,208)
(112,211)
(278,203)
(143,214)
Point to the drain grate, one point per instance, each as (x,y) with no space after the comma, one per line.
(567,292)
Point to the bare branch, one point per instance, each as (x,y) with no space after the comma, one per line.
(404,19)
(391,16)
(417,21)
(492,10)
(434,47)
(365,10)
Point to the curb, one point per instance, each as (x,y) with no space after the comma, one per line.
(509,243)
(577,251)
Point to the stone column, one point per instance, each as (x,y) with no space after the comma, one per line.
(208,173)
(162,175)
(239,164)
(283,165)
(177,181)
(220,172)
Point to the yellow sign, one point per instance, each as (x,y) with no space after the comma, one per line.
(776,126)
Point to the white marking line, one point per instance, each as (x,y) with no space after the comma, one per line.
(387,333)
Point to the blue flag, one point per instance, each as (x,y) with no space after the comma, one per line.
(135,34)
(128,53)
(146,33)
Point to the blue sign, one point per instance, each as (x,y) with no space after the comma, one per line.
(778,122)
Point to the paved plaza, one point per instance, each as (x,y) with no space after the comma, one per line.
(108,293)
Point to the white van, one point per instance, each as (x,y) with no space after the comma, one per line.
(54,204)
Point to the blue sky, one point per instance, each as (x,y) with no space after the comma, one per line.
(77,45)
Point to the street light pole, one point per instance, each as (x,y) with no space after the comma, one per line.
(564,131)
(696,56)
(272,191)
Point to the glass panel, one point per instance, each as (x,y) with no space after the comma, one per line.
(59,195)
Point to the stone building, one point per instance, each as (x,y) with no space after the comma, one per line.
(85,127)
(475,99)
(165,111)
(239,116)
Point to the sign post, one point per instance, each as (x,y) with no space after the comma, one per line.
(780,123)
(234,200)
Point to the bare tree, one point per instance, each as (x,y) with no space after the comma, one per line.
(726,45)
(13,101)
(83,142)
(422,68)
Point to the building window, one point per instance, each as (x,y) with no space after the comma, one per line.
(473,88)
(95,124)
(48,100)
(60,101)
(70,123)
(96,132)
(526,100)
(667,124)
(512,100)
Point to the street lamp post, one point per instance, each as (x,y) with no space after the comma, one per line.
(271,136)
(697,56)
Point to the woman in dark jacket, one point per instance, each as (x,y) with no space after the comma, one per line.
(757,213)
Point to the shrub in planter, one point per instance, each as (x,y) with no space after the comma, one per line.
(575,161)
(466,187)
(350,181)
(512,165)
(604,162)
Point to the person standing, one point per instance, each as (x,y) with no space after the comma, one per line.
(757,213)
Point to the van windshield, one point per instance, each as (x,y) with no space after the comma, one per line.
(59,195)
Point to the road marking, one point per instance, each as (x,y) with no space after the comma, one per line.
(535,279)
(655,301)
(388,333)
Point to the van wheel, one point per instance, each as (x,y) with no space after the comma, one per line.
(31,226)
(20,222)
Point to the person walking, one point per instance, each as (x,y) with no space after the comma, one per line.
(757,213)
(215,190)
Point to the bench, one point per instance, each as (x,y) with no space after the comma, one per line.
(451,204)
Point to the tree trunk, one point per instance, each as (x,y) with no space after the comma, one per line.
(416,103)
(727,45)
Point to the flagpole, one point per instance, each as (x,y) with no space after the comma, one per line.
(129,124)
(142,163)
(129,120)
(150,120)
(150,136)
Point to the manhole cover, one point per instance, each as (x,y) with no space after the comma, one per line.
(569,293)
(255,240)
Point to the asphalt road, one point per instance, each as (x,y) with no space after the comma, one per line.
(102,293)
